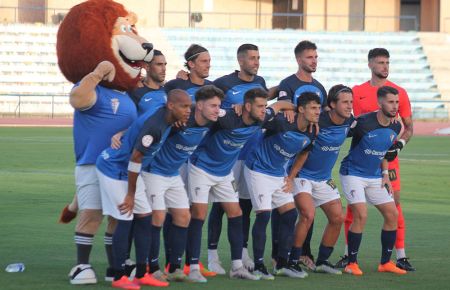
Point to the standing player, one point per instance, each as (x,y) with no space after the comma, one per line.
(289,90)
(99,114)
(314,185)
(151,95)
(210,170)
(364,177)
(235,85)
(166,187)
(265,173)
(198,62)
(365,101)
(123,193)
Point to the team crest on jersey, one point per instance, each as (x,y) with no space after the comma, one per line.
(282,94)
(115,105)
(222,112)
(147,140)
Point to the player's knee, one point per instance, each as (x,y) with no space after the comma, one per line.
(307,217)
(360,217)
(181,218)
(198,212)
(89,221)
(111,226)
(158,217)
(337,219)
(392,216)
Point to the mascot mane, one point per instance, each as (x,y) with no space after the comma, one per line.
(84,40)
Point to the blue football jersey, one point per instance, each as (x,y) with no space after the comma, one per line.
(147,99)
(93,128)
(235,88)
(369,145)
(282,141)
(185,85)
(180,144)
(146,134)
(292,87)
(220,149)
(326,148)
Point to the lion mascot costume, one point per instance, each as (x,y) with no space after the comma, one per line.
(100,52)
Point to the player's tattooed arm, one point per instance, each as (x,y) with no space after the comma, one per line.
(408,129)
(83,96)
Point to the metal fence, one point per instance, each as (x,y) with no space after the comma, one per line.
(16,105)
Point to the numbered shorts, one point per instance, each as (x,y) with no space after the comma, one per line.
(87,187)
(113,193)
(266,191)
(321,191)
(241,185)
(165,191)
(361,190)
(394,174)
(201,183)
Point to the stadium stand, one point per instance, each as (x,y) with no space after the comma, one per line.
(28,62)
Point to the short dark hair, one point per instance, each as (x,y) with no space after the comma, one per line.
(307,97)
(246,47)
(192,53)
(156,53)
(304,45)
(373,53)
(383,91)
(208,92)
(333,93)
(252,94)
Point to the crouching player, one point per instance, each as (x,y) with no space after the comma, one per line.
(313,185)
(265,173)
(166,187)
(123,193)
(364,177)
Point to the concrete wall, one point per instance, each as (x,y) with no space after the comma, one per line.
(332,15)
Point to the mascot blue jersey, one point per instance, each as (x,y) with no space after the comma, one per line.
(94,127)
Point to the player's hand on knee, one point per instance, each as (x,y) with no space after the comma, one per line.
(288,185)
(127,206)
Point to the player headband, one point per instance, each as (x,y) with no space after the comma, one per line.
(344,89)
(194,55)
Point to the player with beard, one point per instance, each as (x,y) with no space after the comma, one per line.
(364,177)
(290,89)
(365,101)
(235,85)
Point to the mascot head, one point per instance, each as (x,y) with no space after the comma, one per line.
(98,30)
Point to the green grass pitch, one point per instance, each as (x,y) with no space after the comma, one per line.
(36,179)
